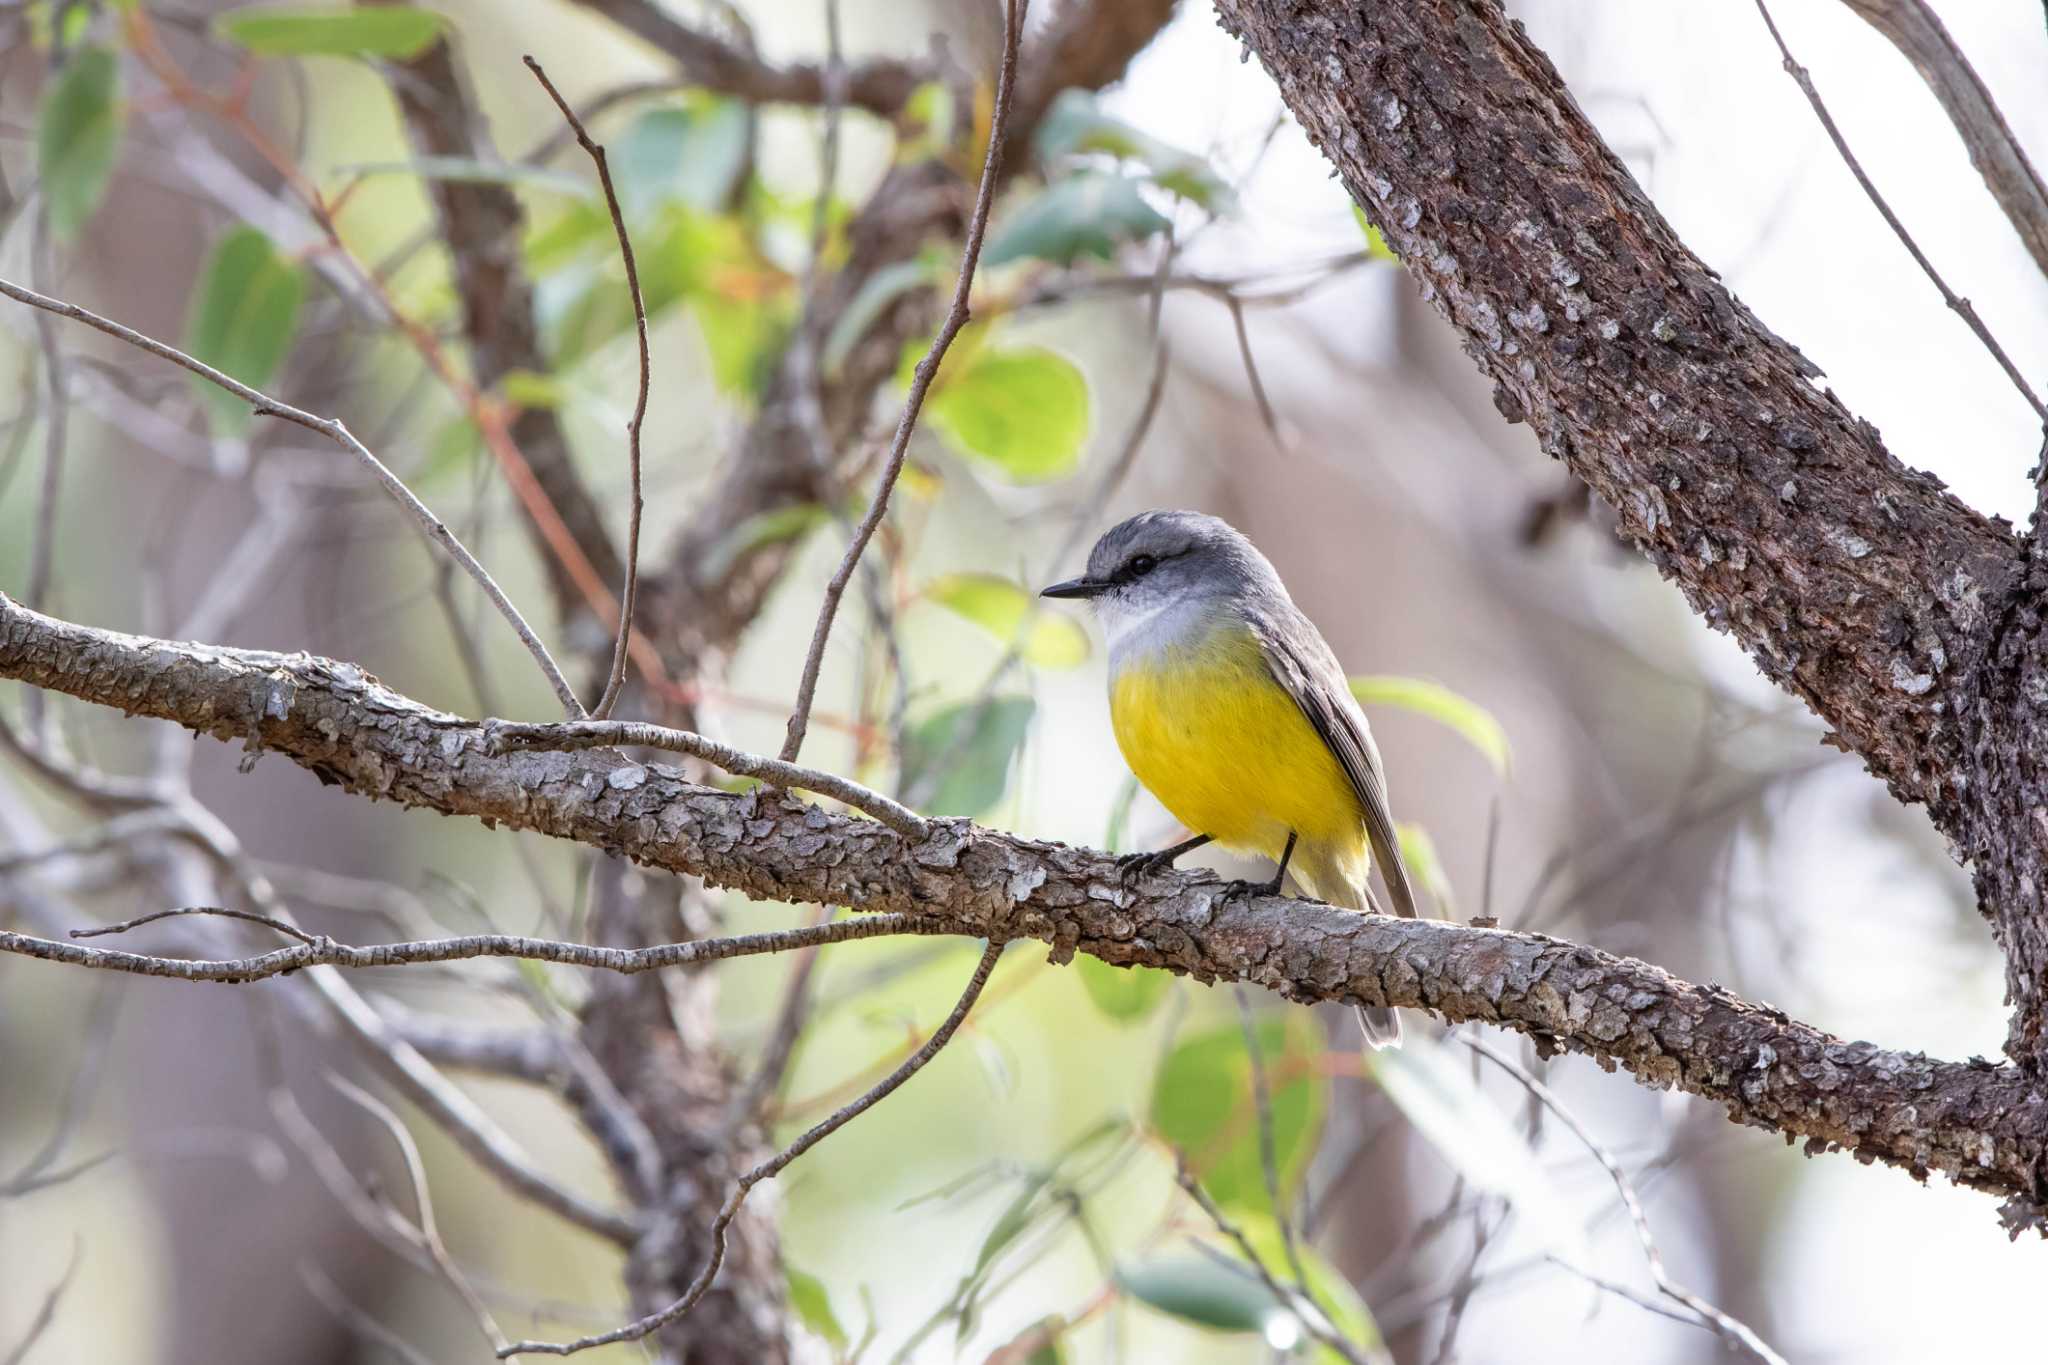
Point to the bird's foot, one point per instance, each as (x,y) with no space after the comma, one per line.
(1132,868)
(1240,888)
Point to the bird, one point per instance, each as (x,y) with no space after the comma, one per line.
(1232,710)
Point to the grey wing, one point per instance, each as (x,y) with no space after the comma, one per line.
(1303,664)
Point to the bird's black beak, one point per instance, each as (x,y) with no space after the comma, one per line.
(1074,587)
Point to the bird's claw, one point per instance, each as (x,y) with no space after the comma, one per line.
(1131,868)
(1240,888)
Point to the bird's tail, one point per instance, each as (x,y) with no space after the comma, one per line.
(1350,887)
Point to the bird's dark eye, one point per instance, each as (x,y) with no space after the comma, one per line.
(1141,565)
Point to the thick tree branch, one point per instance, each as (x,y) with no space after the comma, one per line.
(1907,621)
(1853,581)
(1985,1126)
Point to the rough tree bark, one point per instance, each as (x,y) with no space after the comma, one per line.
(1907,621)
(1985,1126)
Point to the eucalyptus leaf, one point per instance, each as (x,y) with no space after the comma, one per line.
(1125,994)
(399,32)
(1198,1290)
(1022,410)
(1472,721)
(78,139)
(963,753)
(692,153)
(1087,213)
(814,1306)
(242,320)
(1076,125)
(1203,1105)
(1010,613)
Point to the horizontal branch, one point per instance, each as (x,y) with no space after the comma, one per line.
(317,950)
(880,85)
(1986,1126)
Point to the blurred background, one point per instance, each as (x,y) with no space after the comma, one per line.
(1591,762)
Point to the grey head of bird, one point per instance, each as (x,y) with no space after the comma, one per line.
(1155,574)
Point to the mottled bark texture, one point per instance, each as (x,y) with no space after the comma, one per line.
(1986,1126)
(1907,621)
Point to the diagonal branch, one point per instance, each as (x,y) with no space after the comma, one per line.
(1985,1126)
(1917,32)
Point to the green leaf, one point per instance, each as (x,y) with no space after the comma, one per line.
(1426,866)
(762,529)
(1022,409)
(1472,1135)
(1375,242)
(396,31)
(962,754)
(78,139)
(242,318)
(1125,994)
(1472,721)
(1202,1104)
(1196,1289)
(469,170)
(876,293)
(1007,611)
(692,153)
(813,1305)
(1076,126)
(1088,213)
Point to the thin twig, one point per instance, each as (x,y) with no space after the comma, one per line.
(426,1225)
(361,1321)
(265,406)
(920,385)
(42,547)
(599,734)
(1269,1163)
(654,1322)
(267,921)
(1312,1321)
(1961,305)
(47,1314)
(1267,416)
(616,680)
(1727,1328)
(322,951)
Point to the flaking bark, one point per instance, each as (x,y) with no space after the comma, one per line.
(1981,1124)
(1907,621)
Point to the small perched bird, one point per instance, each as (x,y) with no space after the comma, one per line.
(1232,710)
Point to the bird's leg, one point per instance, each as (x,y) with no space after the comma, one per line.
(1272,887)
(1132,866)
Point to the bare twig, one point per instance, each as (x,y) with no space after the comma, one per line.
(1961,305)
(920,384)
(615,681)
(265,406)
(1270,418)
(425,1224)
(46,1314)
(1306,1312)
(267,921)
(42,546)
(1917,31)
(1269,1164)
(361,1321)
(1729,1329)
(321,951)
(654,1322)
(592,734)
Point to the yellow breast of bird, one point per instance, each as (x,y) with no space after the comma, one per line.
(1227,750)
